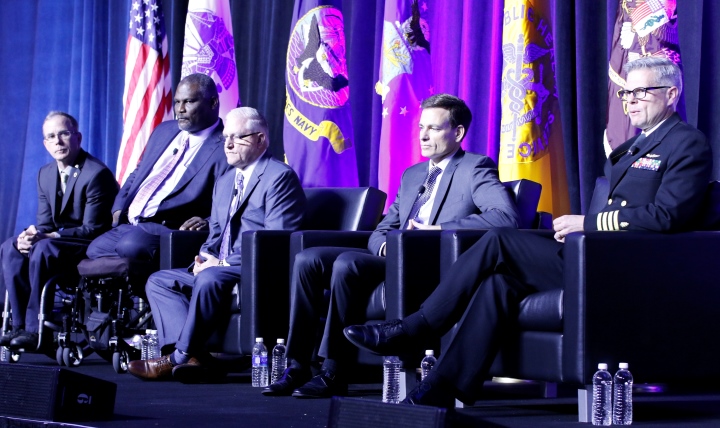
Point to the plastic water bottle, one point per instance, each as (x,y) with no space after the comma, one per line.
(427,363)
(602,396)
(153,345)
(144,345)
(259,364)
(279,362)
(622,396)
(391,380)
(137,342)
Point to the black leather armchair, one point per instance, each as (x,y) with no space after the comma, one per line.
(647,299)
(261,302)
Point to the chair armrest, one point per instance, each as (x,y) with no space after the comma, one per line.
(543,220)
(412,270)
(326,238)
(264,289)
(178,248)
(647,299)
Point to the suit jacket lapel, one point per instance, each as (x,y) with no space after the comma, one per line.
(79,163)
(620,168)
(445,184)
(203,156)
(415,179)
(55,189)
(254,181)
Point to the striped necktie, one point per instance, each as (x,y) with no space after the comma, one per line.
(225,247)
(423,197)
(152,184)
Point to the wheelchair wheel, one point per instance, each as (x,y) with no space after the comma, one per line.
(72,356)
(59,356)
(120,361)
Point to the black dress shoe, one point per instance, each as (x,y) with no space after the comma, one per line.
(198,371)
(427,394)
(6,338)
(386,338)
(324,385)
(25,340)
(291,379)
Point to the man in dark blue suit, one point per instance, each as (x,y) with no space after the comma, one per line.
(74,197)
(258,193)
(657,183)
(453,190)
(171,187)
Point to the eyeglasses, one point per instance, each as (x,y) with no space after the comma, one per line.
(236,138)
(638,93)
(62,135)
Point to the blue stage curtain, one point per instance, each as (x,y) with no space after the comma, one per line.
(56,55)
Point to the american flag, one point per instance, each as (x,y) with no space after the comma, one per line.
(147,97)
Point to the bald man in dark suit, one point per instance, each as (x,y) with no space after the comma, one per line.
(191,148)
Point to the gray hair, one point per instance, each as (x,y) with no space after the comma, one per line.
(666,72)
(67,116)
(255,120)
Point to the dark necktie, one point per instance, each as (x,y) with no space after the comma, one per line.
(423,197)
(225,245)
(635,147)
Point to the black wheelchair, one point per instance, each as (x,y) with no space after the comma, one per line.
(99,312)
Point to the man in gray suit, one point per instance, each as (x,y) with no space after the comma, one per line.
(454,190)
(258,193)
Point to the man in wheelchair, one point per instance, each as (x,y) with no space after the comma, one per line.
(75,195)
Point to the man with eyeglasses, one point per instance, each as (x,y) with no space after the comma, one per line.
(657,183)
(188,305)
(75,193)
(171,188)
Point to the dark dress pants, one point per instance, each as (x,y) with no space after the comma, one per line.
(188,309)
(482,292)
(314,270)
(140,242)
(25,275)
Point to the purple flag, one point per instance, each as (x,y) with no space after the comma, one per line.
(318,126)
(209,49)
(642,28)
(405,80)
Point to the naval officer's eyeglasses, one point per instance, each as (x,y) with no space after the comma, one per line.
(637,93)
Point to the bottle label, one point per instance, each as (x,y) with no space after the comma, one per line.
(262,359)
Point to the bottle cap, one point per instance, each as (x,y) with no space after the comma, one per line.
(148,331)
(623,365)
(281,341)
(602,366)
(429,352)
(258,340)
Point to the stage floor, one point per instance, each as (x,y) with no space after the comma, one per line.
(236,403)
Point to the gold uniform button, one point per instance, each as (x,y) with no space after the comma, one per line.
(609,201)
(623,203)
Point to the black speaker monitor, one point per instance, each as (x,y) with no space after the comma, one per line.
(54,394)
(363,413)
